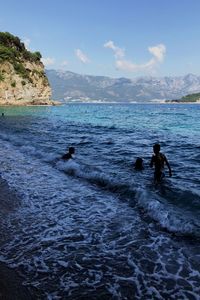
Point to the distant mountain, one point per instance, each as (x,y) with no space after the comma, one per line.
(68,86)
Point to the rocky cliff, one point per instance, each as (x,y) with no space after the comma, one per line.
(22,77)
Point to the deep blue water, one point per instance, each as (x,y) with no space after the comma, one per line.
(94,227)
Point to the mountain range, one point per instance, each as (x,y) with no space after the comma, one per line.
(70,87)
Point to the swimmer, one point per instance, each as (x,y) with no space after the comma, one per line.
(158,160)
(138,165)
(70,154)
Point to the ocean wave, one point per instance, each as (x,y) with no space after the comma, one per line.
(96,176)
(93,224)
(169,216)
(175,216)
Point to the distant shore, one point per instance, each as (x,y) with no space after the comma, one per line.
(57,103)
(182,102)
(112,102)
(30,103)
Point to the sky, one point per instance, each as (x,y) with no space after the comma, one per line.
(115,38)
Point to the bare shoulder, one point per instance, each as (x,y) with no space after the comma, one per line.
(164,157)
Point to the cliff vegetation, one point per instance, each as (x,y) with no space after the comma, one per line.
(22,77)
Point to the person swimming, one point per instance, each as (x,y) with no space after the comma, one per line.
(159,160)
(138,165)
(69,154)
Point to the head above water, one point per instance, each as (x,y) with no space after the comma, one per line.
(71,150)
(139,164)
(156,148)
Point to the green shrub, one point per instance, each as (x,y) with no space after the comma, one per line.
(1,77)
(13,84)
(23,82)
(39,73)
(9,40)
(7,53)
(13,49)
(35,56)
(20,69)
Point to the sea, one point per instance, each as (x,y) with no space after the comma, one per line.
(94,227)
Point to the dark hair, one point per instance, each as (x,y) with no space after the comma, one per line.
(139,164)
(156,147)
(71,150)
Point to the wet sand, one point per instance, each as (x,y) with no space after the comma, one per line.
(11,284)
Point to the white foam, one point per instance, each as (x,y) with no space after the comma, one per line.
(172,218)
(57,211)
(69,166)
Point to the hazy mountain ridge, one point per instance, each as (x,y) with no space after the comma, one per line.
(69,86)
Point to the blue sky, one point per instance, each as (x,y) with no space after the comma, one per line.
(117,38)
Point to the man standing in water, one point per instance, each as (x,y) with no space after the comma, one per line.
(158,160)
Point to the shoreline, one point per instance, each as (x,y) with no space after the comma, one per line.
(29,105)
(57,103)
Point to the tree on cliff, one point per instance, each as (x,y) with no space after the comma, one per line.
(12,49)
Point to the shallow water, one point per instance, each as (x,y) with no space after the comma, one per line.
(94,227)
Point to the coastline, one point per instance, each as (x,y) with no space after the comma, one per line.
(30,103)
(24,103)
(179,102)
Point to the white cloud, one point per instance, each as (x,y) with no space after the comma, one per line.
(81,56)
(157,51)
(26,42)
(119,52)
(131,67)
(48,61)
(126,65)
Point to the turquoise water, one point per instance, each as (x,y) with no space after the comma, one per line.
(176,118)
(94,226)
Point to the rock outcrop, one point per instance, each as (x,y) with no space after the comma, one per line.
(22,77)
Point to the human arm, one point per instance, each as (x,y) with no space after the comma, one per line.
(152,161)
(168,165)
